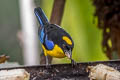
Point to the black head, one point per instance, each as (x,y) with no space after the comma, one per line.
(67,46)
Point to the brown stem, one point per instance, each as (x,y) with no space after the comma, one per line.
(56,18)
(57,12)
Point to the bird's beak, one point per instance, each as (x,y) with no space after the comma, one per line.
(68,54)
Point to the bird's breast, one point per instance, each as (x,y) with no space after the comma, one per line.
(55,52)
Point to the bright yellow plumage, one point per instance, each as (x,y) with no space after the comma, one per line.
(67,40)
(56,52)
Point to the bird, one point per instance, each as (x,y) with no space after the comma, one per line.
(56,42)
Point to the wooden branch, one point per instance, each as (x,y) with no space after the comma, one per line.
(57,12)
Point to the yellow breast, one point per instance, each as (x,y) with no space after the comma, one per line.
(56,52)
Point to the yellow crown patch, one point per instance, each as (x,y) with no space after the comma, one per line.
(67,40)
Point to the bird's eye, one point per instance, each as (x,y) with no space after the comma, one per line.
(66,47)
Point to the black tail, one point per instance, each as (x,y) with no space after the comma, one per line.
(41,16)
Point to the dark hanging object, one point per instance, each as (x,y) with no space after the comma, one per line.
(108,13)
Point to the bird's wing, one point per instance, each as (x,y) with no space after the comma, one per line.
(49,43)
(41,33)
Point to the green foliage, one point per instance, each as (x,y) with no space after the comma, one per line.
(78,21)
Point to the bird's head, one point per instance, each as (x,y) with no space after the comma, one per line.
(67,47)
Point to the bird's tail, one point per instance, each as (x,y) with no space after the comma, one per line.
(41,16)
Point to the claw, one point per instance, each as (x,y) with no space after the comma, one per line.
(73,63)
(48,66)
(47,63)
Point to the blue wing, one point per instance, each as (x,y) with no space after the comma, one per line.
(43,21)
(49,44)
(41,35)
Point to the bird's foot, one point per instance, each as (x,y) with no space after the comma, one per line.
(73,63)
(47,63)
(48,66)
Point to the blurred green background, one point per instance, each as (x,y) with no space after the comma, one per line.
(77,20)
(9,26)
